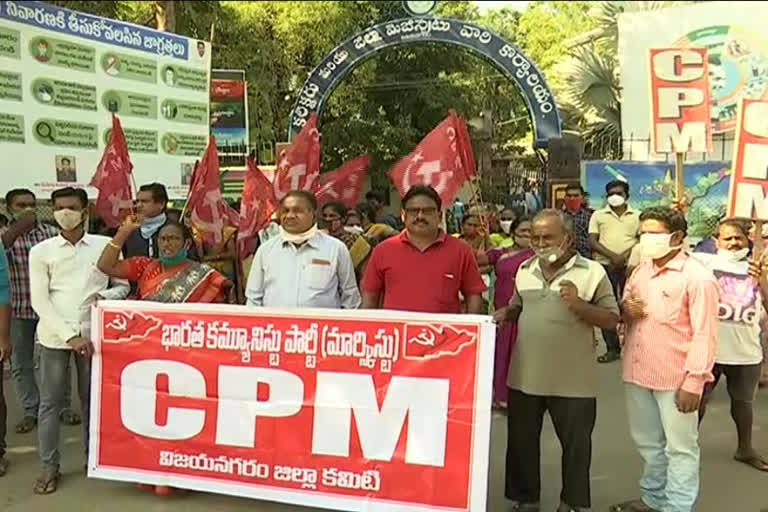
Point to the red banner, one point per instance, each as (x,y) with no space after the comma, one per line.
(347,410)
(748,195)
(345,184)
(227,89)
(680,108)
(440,160)
(298,166)
(113,178)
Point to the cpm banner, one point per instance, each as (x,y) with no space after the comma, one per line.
(748,194)
(346,410)
(680,100)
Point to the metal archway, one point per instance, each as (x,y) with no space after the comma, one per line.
(501,53)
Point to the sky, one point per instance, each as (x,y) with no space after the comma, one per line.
(486,5)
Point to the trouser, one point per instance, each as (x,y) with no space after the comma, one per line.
(668,441)
(3,414)
(23,365)
(53,376)
(574,420)
(618,278)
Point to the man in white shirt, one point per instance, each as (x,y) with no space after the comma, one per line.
(302,267)
(743,292)
(64,281)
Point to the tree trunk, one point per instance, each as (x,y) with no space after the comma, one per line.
(165,15)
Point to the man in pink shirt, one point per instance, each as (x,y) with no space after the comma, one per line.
(670,306)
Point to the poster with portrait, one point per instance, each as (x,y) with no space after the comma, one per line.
(63,74)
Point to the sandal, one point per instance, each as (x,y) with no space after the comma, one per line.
(609,357)
(70,417)
(3,466)
(754,461)
(47,484)
(26,425)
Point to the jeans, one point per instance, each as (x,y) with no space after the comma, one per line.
(574,420)
(617,278)
(23,365)
(53,376)
(668,441)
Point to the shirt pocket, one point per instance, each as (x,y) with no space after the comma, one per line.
(320,276)
(449,288)
(668,304)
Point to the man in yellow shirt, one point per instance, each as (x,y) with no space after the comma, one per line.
(613,232)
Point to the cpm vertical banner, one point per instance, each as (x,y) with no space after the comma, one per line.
(370,411)
(749,178)
(229,111)
(680,100)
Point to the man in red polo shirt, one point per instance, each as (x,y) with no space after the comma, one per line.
(423,269)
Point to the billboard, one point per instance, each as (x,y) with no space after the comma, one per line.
(62,74)
(229,111)
(338,409)
(733,34)
(653,184)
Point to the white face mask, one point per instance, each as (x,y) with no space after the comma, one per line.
(616,200)
(506,225)
(550,254)
(655,246)
(68,219)
(355,230)
(733,256)
(299,238)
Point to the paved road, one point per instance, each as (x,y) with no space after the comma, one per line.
(726,486)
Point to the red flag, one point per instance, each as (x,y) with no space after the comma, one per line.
(438,161)
(345,184)
(299,165)
(113,179)
(209,212)
(256,209)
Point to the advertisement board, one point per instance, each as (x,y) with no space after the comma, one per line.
(345,410)
(62,74)
(229,111)
(733,34)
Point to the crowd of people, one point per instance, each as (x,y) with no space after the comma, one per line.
(551,280)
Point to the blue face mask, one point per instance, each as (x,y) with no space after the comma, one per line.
(173,260)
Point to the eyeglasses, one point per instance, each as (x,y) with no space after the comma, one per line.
(413,212)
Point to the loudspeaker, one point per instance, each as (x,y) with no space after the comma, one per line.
(564,162)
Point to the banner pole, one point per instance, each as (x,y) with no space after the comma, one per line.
(679,190)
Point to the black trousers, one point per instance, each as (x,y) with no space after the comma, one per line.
(574,420)
(3,413)
(618,279)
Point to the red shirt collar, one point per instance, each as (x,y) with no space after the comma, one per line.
(441,236)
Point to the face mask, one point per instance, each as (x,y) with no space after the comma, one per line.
(733,256)
(550,254)
(299,238)
(573,204)
(173,260)
(355,230)
(506,225)
(655,245)
(68,219)
(616,200)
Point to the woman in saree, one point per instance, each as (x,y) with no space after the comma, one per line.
(506,261)
(335,218)
(376,232)
(172,278)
